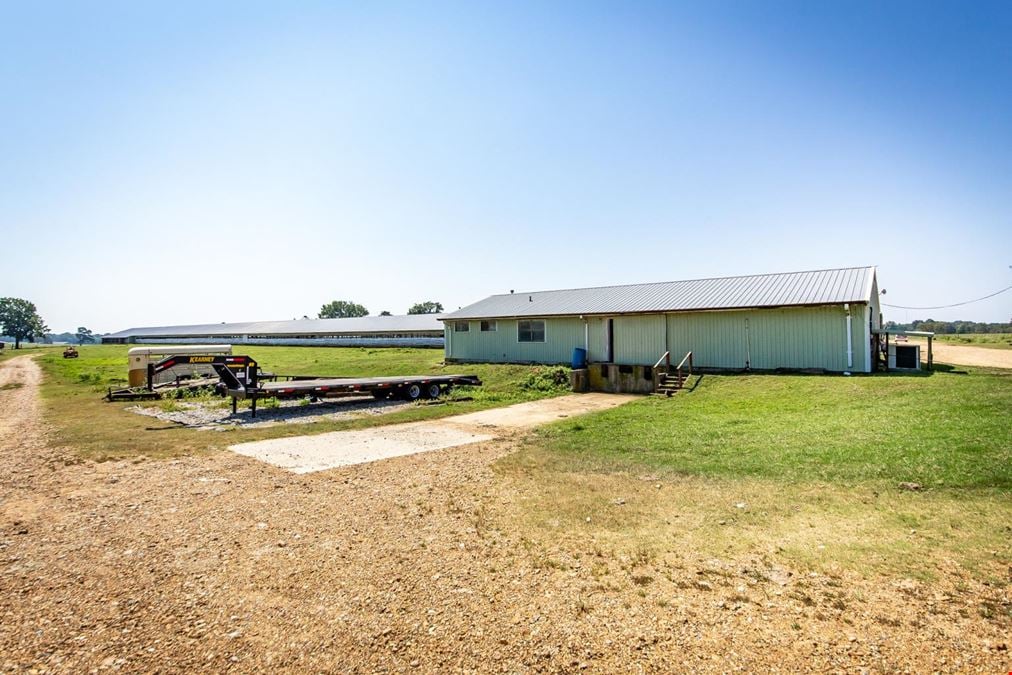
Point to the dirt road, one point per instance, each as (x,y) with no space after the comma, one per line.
(968,355)
(413,564)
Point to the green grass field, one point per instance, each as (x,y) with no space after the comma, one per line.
(805,468)
(946,429)
(8,352)
(73,391)
(991,340)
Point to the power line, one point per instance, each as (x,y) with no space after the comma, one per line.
(956,304)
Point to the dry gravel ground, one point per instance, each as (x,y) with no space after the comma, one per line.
(413,564)
(968,355)
(217,414)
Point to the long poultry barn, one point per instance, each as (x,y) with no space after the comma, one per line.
(411,330)
(823,320)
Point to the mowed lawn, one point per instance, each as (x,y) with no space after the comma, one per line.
(73,392)
(939,430)
(807,469)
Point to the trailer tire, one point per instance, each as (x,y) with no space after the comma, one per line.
(432,391)
(412,392)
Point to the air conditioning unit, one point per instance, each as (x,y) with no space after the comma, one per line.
(904,357)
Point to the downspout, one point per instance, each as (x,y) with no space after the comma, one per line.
(748,347)
(850,338)
(868,311)
(586,337)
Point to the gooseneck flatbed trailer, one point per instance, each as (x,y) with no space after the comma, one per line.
(241,378)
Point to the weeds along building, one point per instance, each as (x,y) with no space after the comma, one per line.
(820,320)
(412,330)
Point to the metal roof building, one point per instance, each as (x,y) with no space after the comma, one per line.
(822,319)
(412,330)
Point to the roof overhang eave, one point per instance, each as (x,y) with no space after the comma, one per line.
(744,308)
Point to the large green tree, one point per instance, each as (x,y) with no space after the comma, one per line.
(20,320)
(342,309)
(84,335)
(427,307)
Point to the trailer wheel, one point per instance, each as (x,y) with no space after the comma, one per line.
(412,392)
(432,391)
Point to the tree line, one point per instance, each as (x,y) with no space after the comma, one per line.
(951,327)
(343,309)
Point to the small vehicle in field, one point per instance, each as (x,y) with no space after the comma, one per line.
(70,353)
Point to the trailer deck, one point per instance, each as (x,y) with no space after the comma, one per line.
(240,377)
(357,385)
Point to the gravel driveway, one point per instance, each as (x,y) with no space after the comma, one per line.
(416,564)
(967,355)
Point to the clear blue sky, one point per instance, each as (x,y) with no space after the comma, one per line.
(189,162)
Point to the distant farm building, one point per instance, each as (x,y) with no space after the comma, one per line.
(413,330)
(822,320)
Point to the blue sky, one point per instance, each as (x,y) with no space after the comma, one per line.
(197,162)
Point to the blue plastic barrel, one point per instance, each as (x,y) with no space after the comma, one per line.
(579,357)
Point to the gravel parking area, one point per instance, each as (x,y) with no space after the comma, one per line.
(217,414)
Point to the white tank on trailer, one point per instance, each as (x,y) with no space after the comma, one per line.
(138,359)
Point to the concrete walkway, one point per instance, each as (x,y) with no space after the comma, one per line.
(306,454)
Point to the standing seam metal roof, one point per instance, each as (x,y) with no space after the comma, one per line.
(409,323)
(818,287)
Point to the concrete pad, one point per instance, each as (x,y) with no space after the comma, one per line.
(305,454)
(536,413)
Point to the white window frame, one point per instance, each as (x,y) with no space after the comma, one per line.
(492,326)
(544,332)
(457,326)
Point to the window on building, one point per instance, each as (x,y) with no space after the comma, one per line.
(461,326)
(489,326)
(530,331)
